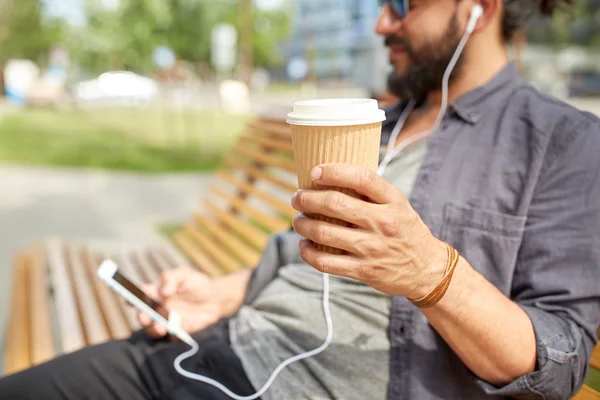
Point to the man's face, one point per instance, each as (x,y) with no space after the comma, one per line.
(421,46)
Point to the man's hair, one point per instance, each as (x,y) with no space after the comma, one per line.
(517,13)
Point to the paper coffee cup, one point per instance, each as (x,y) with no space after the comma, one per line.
(345,131)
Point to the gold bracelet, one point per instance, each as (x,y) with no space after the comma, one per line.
(440,290)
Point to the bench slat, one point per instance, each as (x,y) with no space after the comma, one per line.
(17,344)
(271,128)
(587,393)
(199,258)
(248,255)
(271,223)
(251,234)
(91,317)
(210,246)
(145,266)
(284,208)
(259,174)
(161,260)
(595,359)
(121,258)
(266,159)
(283,146)
(42,333)
(113,314)
(175,258)
(71,332)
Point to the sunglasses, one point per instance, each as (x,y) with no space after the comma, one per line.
(400,7)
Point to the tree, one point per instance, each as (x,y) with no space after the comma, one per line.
(579,24)
(24,33)
(126,38)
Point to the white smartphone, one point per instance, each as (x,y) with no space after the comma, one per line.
(109,273)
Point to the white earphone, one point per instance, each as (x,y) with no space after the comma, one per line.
(476,13)
(393,150)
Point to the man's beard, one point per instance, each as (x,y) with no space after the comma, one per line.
(425,72)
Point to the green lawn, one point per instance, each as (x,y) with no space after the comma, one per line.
(116,140)
(593,378)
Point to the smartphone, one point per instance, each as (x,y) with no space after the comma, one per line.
(109,273)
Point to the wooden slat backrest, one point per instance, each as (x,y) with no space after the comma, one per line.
(238,248)
(196,256)
(595,360)
(65,303)
(41,330)
(226,262)
(242,208)
(587,393)
(250,233)
(114,316)
(121,259)
(90,315)
(17,344)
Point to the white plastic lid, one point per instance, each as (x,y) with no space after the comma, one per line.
(336,112)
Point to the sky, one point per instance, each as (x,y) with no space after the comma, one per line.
(72,10)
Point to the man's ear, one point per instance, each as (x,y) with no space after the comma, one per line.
(492,11)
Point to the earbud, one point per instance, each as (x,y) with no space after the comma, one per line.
(476,13)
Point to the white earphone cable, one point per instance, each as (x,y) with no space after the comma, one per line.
(390,155)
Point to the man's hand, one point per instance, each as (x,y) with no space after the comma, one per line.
(389,247)
(188,292)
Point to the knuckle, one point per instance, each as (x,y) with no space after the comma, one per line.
(301,199)
(389,225)
(333,201)
(366,178)
(322,232)
(323,264)
(365,272)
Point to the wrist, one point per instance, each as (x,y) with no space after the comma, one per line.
(230,291)
(433,267)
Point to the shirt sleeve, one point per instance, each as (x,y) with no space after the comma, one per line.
(282,249)
(557,278)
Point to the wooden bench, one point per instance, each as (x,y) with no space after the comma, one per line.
(58,306)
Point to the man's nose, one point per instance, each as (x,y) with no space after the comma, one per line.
(388,23)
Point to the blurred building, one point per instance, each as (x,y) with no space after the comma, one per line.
(335,39)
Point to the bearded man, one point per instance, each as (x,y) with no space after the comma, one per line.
(503,186)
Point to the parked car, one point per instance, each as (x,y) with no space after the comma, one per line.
(118,88)
(584,84)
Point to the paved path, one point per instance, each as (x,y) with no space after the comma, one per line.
(40,202)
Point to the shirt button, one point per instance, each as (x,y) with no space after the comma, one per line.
(424,180)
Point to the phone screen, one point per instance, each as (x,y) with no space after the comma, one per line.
(137,292)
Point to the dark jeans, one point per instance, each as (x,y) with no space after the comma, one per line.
(133,369)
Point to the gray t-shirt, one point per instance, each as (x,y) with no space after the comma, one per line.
(287,319)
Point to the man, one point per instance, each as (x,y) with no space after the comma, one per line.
(510,179)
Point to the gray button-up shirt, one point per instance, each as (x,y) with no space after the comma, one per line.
(511,179)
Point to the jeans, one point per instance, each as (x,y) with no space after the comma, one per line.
(137,368)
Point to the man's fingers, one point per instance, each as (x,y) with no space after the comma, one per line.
(340,265)
(329,234)
(153,330)
(151,289)
(170,281)
(332,203)
(363,180)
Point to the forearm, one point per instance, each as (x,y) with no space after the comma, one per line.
(231,290)
(491,334)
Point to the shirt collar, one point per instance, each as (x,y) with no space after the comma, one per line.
(470,106)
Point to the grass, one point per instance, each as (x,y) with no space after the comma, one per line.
(593,379)
(168,230)
(108,141)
